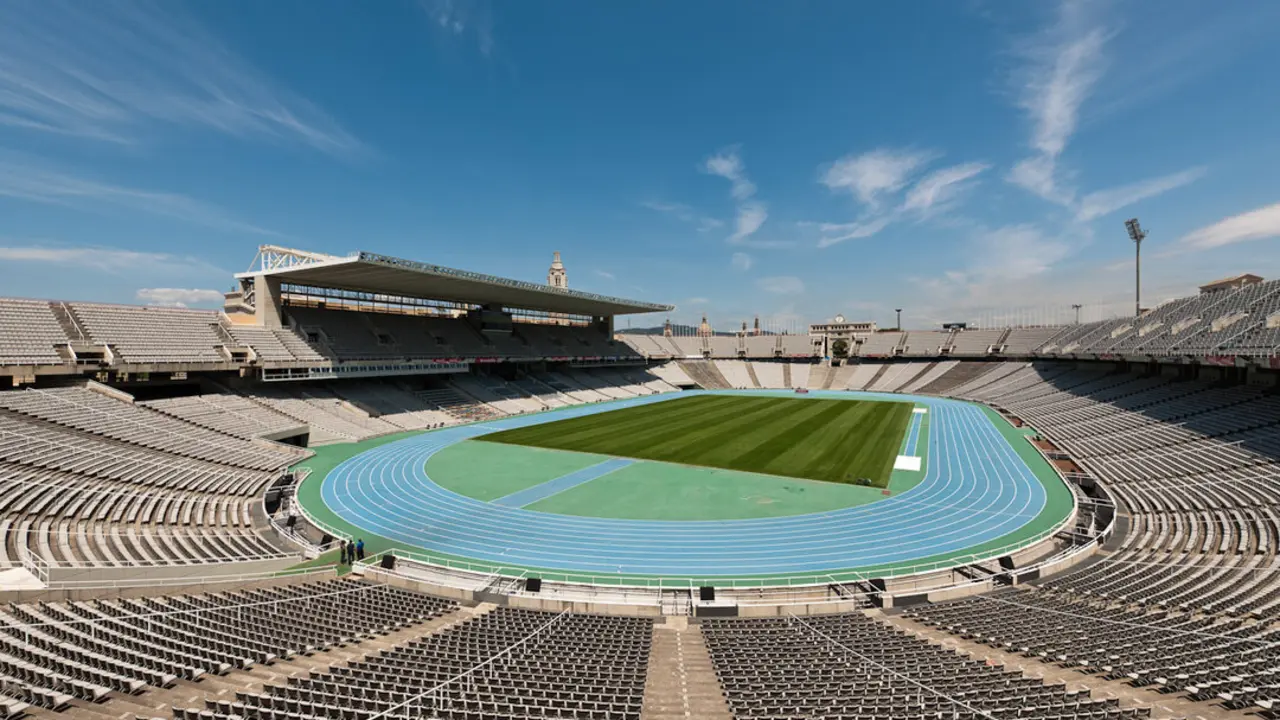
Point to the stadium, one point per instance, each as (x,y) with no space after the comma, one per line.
(558,519)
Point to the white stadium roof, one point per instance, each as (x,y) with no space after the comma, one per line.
(386,275)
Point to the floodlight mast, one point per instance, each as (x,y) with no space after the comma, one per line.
(1077,307)
(1137,235)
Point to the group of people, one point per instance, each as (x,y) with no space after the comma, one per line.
(352,551)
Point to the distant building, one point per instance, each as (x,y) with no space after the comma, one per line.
(704,328)
(1231,283)
(556,276)
(841,329)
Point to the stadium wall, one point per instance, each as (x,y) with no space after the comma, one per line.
(181,586)
(71,576)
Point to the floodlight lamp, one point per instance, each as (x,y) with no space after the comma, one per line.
(1135,230)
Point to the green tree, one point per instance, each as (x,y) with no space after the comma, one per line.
(840,348)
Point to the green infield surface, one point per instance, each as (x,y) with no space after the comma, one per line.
(643,490)
(830,440)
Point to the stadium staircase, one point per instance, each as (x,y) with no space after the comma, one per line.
(224,335)
(786,375)
(456,405)
(705,374)
(839,377)
(80,345)
(751,372)
(1004,340)
(547,395)
(681,681)
(829,378)
(820,376)
(70,325)
(907,375)
(879,374)
(931,373)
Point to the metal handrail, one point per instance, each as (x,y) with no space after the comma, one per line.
(322,525)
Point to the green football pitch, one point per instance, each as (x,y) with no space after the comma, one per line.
(830,440)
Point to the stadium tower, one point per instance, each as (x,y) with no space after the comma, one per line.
(556,276)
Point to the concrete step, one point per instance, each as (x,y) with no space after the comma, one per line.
(681,682)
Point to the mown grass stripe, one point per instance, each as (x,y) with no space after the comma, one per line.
(820,439)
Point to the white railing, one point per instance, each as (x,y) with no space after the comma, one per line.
(292,536)
(322,525)
(34,564)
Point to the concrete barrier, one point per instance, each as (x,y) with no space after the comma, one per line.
(197,585)
(85,576)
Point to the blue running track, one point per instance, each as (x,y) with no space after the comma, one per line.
(976,489)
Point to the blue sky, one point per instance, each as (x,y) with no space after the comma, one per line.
(966,161)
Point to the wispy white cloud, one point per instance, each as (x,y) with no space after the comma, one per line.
(109,260)
(178,297)
(459,18)
(1259,224)
(1037,175)
(605,274)
(741,261)
(684,213)
(781,285)
(871,174)
(679,210)
(1015,252)
(878,175)
(1103,202)
(835,234)
(114,71)
(939,187)
(1056,90)
(1063,64)
(988,290)
(1005,267)
(25,179)
(750,214)
(696,301)
(707,224)
(750,218)
(728,164)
